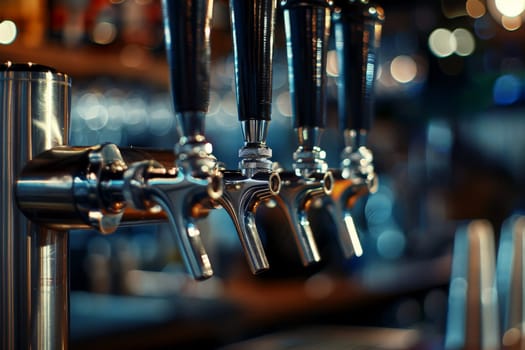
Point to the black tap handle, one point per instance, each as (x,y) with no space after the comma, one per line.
(357,27)
(187,25)
(307,26)
(253,31)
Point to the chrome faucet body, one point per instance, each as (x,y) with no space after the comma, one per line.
(80,187)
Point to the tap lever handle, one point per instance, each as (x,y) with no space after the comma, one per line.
(253,32)
(187,27)
(357,28)
(307,26)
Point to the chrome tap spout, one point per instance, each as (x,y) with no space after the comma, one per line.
(297,196)
(241,197)
(149,186)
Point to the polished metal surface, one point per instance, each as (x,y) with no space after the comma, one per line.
(255,154)
(60,188)
(80,187)
(148,183)
(309,158)
(34,112)
(309,161)
(255,131)
(240,199)
(50,296)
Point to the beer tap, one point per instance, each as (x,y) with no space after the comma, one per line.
(357,27)
(104,186)
(187,35)
(254,182)
(307,26)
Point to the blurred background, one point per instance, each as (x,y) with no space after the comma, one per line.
(448,146)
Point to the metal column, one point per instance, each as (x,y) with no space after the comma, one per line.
(34,116)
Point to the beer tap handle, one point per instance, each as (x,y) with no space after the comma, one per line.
(357,28)
(253,32)
(187,25)
(307,25)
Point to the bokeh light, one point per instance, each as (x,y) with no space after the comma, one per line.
(8,32)
(161,121)
(442,42)
(378,208)
(403,69)
(484,28)
(465,43)
(475,8)
(510,8)
(506,90)
(391,244)
(104,33)
(137,116)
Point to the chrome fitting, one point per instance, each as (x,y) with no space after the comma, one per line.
(357,161)
(254,159)
(196,159)
(255,153)
(309,161)
(358,166)
(73,187)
